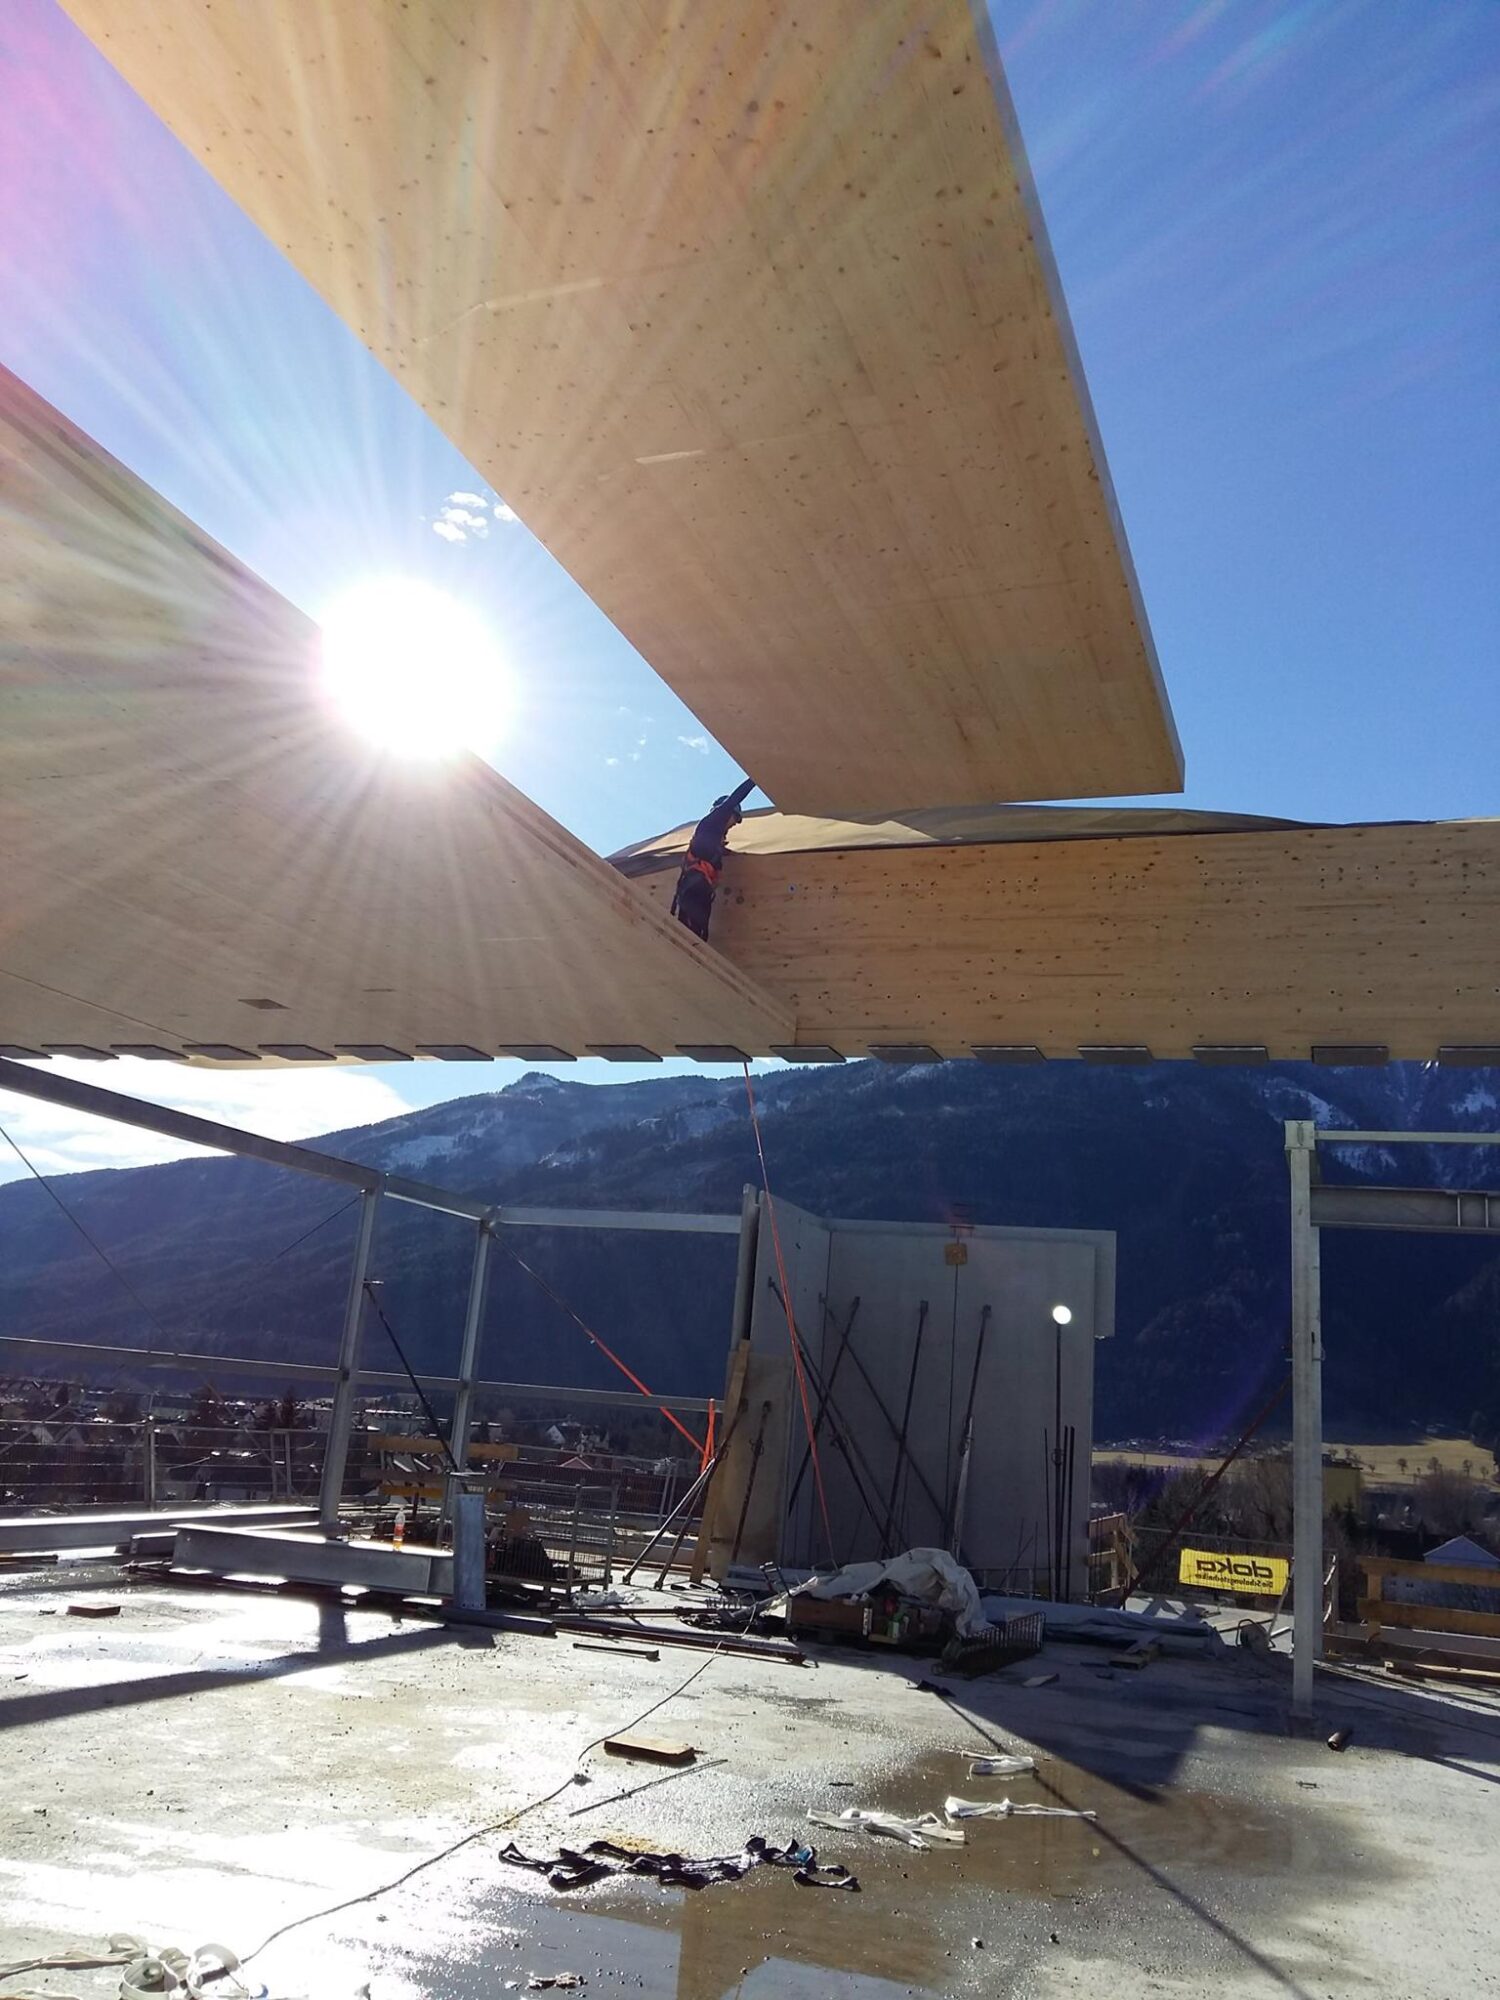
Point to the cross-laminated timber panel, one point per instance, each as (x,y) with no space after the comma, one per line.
(195,851)
(748,311)
(1331,943)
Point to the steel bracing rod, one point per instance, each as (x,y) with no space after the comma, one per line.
(411,1375)
(684,1505)
(966,1433)
(824,1393)
(755,1452)
(841,1441)
(901,1452)
(879,1401)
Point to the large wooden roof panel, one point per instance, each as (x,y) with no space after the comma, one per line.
(1193,932)
(749,313)
(197,852)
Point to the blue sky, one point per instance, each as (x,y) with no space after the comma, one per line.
(1276,223)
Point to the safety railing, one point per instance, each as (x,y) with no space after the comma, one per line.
(65,1462)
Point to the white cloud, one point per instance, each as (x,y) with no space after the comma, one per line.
(611,762)
(698,743)
(465,517)
(278,1104)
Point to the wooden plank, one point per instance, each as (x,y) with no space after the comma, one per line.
(650,1749)
(1429,1617)
(749,313)
(715,1499)
(197,851)
(1279,937)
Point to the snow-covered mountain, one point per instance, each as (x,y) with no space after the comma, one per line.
(1186,1164)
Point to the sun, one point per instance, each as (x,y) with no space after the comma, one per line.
(414,671)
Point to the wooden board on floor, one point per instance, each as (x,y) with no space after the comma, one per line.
(197,852)
(748,311)
(650,1749)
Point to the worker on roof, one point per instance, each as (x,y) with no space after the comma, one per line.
(693,899)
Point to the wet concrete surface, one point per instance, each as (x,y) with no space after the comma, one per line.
(217,1764)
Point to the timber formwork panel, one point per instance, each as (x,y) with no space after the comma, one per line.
(198,855)
(1270,943)
(748,311)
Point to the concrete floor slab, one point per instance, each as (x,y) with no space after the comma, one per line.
(215,1764)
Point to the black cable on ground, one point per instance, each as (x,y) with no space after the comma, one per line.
(480,1832)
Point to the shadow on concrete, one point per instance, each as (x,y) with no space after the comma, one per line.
(55,1704)
(1135,1727)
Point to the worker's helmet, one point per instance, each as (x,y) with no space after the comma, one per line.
(723,800)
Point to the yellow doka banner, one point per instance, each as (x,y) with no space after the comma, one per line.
(1250,1576)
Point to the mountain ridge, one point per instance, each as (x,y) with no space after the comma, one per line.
(1184,1163)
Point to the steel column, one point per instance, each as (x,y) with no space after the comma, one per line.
(468,1359)
(346,1382)
(1307,1417)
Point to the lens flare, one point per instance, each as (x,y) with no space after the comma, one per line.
(414,671)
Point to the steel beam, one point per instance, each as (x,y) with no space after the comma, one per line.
(297,1556)
(1307,1417)
(52,1088)
(317,1371)
(346,1382)
(617,1218)
(1441,1211)
(1326,1138)
(468,1355)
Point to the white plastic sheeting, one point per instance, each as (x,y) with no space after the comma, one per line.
(929,1575)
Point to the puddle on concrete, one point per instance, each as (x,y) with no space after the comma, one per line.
(760,1936)
(910,1930)
(1063,1857)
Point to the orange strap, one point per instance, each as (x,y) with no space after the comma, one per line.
(608,1352)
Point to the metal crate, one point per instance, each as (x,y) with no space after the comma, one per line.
(563,1537)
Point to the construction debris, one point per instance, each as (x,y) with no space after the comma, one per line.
(1341,1739)
(1139,1655)
(575,1868)
(995,1646)
(1000,1767)
(928,1576)
(1008,1809)
(1172,1625)
(93,1610)
(919,1831)
(616,1646)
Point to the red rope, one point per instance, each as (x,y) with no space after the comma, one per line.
(791,1324)
(608,1352)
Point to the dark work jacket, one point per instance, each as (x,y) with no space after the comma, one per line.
(711,835)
